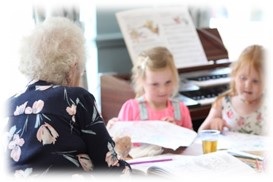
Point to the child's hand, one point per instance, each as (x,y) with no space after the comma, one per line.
(111,122)
(169,119)
(219,124)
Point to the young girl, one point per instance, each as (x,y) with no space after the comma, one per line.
(156,81)
(241,108)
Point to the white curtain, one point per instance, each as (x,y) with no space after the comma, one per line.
(200,15)
(71,11)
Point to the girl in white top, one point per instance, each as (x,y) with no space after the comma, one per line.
(241,108)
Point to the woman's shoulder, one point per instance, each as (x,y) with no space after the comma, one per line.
(77,90)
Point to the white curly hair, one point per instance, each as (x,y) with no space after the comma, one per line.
(52,49)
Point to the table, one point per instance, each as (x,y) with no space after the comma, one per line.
(252,144)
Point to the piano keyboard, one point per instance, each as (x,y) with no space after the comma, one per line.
(204,86)
(212,80)
(205,96)
(208,78)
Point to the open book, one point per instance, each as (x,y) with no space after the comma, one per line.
(160,133)
(170,165)
(171,27)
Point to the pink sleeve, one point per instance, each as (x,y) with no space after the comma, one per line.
(129,111)
(186,117)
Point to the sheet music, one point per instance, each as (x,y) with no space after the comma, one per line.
(170,26)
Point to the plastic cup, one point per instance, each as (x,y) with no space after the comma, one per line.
(209,140)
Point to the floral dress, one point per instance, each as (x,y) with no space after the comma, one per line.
(250,124)
(53,129)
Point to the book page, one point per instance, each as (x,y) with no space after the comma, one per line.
(171,27)
(144,163)
(216,163)
(159,133)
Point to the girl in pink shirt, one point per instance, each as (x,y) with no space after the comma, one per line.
(155,81)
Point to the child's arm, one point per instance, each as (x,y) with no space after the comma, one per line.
(111,122)
(214,119)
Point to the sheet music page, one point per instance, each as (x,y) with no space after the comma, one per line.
(165,26)
(159,133)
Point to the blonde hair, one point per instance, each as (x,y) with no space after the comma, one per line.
(252,58)
(154,59)
(52,49)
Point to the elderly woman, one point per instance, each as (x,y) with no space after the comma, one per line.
(53,124)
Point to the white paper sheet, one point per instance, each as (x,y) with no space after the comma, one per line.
(159,133)
(171,27)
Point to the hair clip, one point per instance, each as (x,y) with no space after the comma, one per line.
(144,62)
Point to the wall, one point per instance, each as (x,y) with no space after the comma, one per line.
(112,53)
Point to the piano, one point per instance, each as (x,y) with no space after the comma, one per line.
(199,87)
(202,87)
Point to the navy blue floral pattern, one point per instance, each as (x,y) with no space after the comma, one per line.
(55,128)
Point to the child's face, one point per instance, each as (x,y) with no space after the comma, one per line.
(158,85)
(249,85)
